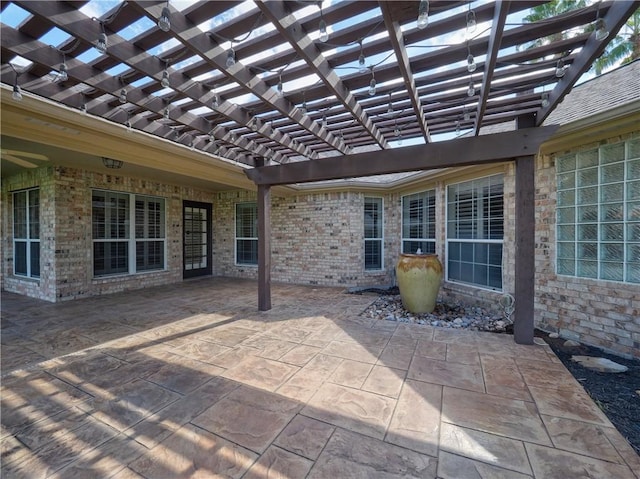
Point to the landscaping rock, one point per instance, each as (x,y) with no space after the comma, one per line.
(602,365)
(570,343)
(554,335)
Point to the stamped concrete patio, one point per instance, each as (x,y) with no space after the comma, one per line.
(190,380)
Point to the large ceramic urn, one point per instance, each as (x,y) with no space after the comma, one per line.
(419,277)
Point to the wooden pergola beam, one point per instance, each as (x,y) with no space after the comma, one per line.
(460,152)
(397,41)
(495,38)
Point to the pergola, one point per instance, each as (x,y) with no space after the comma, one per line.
(301,91)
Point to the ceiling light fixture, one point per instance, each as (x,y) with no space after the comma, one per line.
(362,60)
(324,120)
(545,100)
(279,86)
(471,62)
(471,21)
(17,92)
(601,29)
(62,72)
(323,35)
(372,84)
(466,115)
(560,68)
(102,42)
(111,163)
(215,103)
(390,107)
(165,76)
(472,89)
(123,96)
(303,107)
(231,57)
(165,114)
(164,22)
(423,14)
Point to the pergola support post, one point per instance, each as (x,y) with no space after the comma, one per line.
(523,326)
(264,247)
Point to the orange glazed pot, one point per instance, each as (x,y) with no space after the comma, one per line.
(419,277)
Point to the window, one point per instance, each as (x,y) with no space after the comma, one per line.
(475,226)
(120,249)
(373,233)
(246,233)
(598,213)
(418,222)
(26,233)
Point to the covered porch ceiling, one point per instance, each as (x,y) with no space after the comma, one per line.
(289,96)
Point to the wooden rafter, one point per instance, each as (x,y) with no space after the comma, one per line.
(397,41)
(495,38)
(289,28)
(189,34)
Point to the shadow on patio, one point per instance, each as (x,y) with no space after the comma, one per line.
(190,380)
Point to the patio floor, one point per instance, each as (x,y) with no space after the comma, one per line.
(190,380)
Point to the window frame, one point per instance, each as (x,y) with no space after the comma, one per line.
(130,238)
(588,230)
(253,239)
(29,240)
(477,223)
(428,222)
(378,239)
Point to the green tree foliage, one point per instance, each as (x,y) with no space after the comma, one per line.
(624,48)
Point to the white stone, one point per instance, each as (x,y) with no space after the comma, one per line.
(602,365)
(570,343)
(554,335)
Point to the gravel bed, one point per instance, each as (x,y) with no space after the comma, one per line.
(445,315)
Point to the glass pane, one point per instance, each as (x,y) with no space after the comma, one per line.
(373,217)
(481,275)
(566,250)
(566,198)
(612,231)
(633,272)
(633,148)
(247,251)
(246,220)
(610,193)
(633,169)
(612,153)
(34,214)
(633,232)
(566,215)
(588,177)
(466,251)
(588,196)
(587,251)
(426,247)
(613,173)
(588,232)
(495,254)
(566,181)
(612,212)
(586,159)
(566,232)
(20,215)
(373,254)
(481,253)
(149,255)
(633,190)
(35,259)
(633,254)
(612,271)
(588,213)
(110,258)
(453,270)
(566,163)
(633,211)
(495,277)
(466,272)
(567,266)
(612,252)
(20,258)
(454,251)
(588,269)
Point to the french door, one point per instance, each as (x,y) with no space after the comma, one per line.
(197,239)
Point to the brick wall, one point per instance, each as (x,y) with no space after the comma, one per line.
(601,313)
